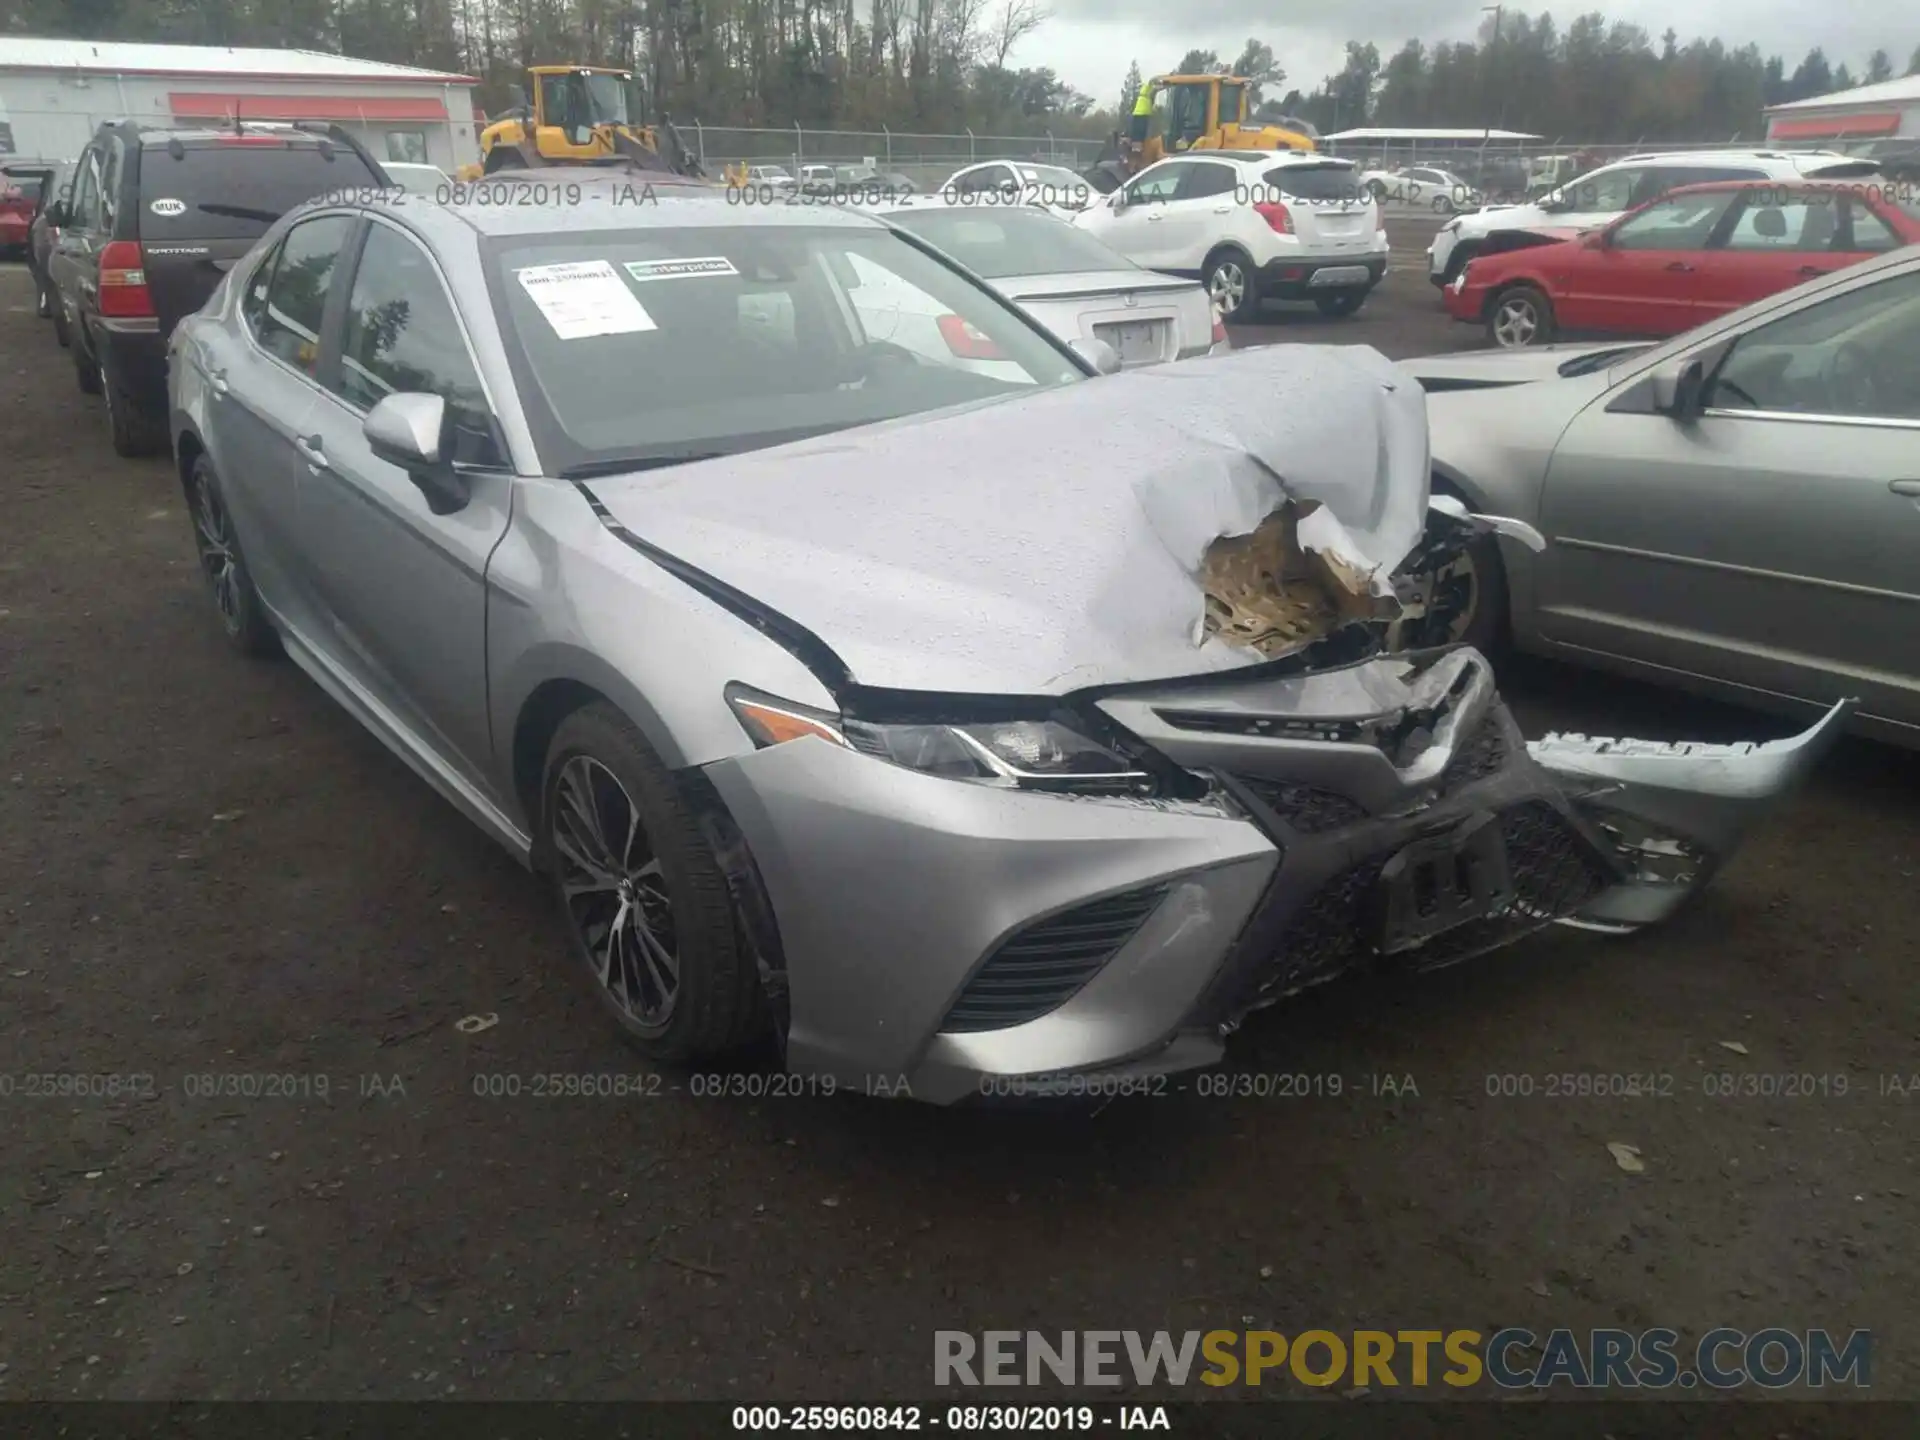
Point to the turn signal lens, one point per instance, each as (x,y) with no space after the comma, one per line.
(769,723)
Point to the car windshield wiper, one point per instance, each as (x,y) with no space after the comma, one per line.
(1587,364)
(587,469)
(243,212)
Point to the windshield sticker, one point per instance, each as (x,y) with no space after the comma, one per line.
(643,270)
(168,207)
(584,298)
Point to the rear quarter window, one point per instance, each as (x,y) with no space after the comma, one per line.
(1315,182)
(234,191)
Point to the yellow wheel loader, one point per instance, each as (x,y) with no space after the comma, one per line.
(579,115)
(1177,113)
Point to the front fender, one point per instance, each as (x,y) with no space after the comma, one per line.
(1675,813)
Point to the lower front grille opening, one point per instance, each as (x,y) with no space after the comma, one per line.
(1040,968)
(1307,808)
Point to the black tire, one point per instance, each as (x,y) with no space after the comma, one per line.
(86,371)
(1521,314)
(1237,298)
(136,432)
(1443,204)
(1469,603)
(717,1005)
(242,616)
(1337,303)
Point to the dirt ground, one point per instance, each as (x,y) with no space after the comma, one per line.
(210,871)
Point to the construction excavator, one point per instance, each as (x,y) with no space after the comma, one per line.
(1190,112)
(580,115)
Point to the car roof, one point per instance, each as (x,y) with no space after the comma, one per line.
(639,200)
(1844,184)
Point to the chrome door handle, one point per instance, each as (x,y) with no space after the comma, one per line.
(1680,265)
(1905,487)
(1223,209)
(217,382)
(1154,216)
(310,450)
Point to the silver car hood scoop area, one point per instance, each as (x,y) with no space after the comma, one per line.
(1070,539)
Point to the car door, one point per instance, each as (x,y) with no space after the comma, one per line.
(1200,214)
(262,378)
(1640,275)
(1769,542)
(1134,227)
(75,264)
(404,588)
(1779,237)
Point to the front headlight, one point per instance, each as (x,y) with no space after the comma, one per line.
(1013,754)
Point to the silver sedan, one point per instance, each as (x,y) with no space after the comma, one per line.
(1072,283)
(957,727)
(1736,511)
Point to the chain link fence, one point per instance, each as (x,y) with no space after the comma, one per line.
(927,160)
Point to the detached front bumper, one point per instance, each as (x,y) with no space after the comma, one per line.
(952,934)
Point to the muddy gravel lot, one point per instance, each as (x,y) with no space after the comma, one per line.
(211,873)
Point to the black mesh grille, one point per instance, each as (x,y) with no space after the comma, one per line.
(1042,966)
(1327,935)
(1480,757)
(1309,810)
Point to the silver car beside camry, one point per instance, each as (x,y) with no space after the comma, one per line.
(942,725)
(1735,511)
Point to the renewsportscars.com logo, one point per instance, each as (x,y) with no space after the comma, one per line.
(1512,1359)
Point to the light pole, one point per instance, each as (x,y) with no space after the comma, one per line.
(1492,41)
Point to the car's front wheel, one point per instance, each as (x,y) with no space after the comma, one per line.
(1231,286)
(1519,317)
(646,906)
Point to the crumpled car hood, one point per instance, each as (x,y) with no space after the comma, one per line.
(1055,542)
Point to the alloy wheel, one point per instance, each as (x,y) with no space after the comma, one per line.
(1515,323)
(615,892)
(217,558)
(1228,286)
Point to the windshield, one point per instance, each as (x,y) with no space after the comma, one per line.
(654,342)
(607,99)
(1053,177)
(999,243)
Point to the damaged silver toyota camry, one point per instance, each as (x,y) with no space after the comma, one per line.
(891,688)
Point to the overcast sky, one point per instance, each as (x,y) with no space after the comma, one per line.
(1089,43)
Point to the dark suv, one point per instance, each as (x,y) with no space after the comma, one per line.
(155,218)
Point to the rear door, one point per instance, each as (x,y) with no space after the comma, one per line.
(1644,279)
(1136,228)
(75,264)
(1779,237)
(204,205)
(1197,217)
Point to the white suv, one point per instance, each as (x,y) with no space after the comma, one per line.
(1602,195)
(1253,225)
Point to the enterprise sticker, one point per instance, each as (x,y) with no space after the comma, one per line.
(680,269)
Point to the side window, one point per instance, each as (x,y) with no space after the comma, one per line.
(1868,233)
(291,298)
(1207,178)
(86,193)
(1779,219)
(1674,176)
(253,304)
(1856,355)
(1157,184)
(110,183)
(1682,223)
(1604,192)
(402,337)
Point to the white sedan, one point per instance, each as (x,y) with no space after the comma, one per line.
(1068,280)
(1010,182)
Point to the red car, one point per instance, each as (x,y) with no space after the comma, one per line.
(17,200)
(1685,258)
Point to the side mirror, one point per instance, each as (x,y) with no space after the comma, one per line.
(1594,240)
(405,430)
(1677,388)
(59,214)
(1104,359)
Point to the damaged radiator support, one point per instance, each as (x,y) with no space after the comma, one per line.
(1269,593)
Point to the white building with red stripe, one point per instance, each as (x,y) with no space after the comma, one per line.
(1851,119)
(54,93)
